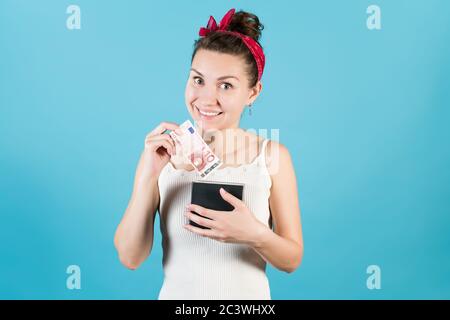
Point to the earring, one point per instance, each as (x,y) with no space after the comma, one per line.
(250,109)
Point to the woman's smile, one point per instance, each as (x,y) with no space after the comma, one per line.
(208,115)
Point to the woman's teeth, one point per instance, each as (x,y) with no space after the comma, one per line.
(208,114)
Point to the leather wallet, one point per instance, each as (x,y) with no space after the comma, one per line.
(207,195)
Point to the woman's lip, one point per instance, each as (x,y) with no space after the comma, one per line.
(208,117)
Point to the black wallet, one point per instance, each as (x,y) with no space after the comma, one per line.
(207,195)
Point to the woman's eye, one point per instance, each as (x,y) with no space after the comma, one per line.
(198,80)
(226,86)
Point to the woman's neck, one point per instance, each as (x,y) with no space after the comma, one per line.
(223,141)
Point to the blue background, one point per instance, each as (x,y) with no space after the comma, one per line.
(364,114)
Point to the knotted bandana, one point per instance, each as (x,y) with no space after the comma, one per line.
(251,44)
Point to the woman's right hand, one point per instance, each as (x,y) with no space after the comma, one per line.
(158,148)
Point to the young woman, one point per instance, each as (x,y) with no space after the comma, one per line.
(228,260)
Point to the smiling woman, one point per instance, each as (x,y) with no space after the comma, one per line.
(226,259)
(227,61)
(217,91)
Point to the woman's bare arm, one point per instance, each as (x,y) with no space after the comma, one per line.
(283,247)
(134,236)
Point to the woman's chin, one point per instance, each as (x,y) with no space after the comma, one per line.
(208,124)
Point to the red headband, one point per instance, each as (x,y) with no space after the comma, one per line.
(251,44)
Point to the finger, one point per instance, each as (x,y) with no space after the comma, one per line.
(166,145)
(228,197)
(205,222)
(203,232)
(176,140)
(163,126)
(156,144)
(166,137)
(154,135)
(212,214)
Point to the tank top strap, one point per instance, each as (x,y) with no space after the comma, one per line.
(262,153)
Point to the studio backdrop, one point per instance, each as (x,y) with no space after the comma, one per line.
(359,92)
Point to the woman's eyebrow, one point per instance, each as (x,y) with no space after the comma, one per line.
(220,78)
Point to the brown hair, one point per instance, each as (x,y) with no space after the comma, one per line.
(242,22)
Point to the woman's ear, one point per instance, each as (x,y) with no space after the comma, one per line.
(254,92)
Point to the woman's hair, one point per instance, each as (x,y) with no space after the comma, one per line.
(242,22)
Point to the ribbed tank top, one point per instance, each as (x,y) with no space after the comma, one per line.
(197,267)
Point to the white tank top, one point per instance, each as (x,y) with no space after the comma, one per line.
(197,267)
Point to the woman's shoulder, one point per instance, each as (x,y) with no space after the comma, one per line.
(277,156)
(253,137)
(273,148)
(270,143)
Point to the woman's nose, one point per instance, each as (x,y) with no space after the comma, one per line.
(208,96)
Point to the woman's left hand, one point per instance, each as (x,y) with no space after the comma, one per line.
(237,226)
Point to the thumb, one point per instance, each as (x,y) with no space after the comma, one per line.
(228,197)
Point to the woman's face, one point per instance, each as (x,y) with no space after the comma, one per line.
(217,90)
